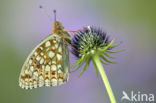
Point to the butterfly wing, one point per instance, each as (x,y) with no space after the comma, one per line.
(47,65)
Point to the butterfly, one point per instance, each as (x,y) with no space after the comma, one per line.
(48,63)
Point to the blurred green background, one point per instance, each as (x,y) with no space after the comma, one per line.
(133,22)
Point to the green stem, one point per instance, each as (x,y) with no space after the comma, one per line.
(104,78)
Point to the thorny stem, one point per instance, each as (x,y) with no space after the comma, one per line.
(104,78)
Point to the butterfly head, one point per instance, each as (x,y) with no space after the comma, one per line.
(59,29)
(58,25)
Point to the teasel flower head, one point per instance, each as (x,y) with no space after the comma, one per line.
(92,44)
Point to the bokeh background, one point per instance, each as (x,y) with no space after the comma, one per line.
(133,22)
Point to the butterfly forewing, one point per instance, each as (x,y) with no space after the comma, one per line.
(47,65)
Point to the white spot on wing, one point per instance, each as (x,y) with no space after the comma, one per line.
(54,82)
(59,71)
(35,53)
(43,67)
(38,58)
(56,45)
(36,74)
(53,67)
(59,57)
(59,66)
(47,68)
(60,81)
(41,61)
(53,62)
(42,54)
(54,41)
(53,47)
(60,49)
(51,54)
(26,71)
(40,77)
(45,56)
(41,48)
(47,44)
(41,83)
(30,61)
(32,68)
(47,82)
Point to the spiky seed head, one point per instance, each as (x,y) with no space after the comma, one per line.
(89,41)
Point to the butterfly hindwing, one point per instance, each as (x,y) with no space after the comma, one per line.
(47,65)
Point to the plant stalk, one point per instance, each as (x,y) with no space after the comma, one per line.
(104,78)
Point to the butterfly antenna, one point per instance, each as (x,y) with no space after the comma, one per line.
(54,16)
(41,7)
(75,32)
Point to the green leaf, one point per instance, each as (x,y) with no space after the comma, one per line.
(105,59)
(80,64)
(113,51)
(85,67)
(108,55)
(104,62)
(79,61)
(115,45)
(95,66)
(108,46)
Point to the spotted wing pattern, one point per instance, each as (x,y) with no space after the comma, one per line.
(47,65)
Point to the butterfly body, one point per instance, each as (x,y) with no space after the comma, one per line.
(48,64)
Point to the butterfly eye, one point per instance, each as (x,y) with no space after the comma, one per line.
(59,27)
